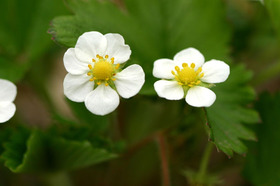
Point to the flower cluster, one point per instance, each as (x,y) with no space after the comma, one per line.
(8,93)
(95,74)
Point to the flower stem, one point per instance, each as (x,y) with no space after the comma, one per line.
(204,162)
(162,147)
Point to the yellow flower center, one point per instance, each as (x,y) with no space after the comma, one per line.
(188,76)
(103,70)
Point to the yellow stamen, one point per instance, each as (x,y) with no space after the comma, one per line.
(98,83)
(91,79)
(93,60)
(117,66)
(90,66)
(187,75)
(89,73)
(192,65)
(106,84)
(106,57)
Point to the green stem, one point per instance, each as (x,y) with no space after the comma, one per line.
(204,163)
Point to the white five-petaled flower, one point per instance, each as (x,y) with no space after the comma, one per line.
(188,76)
(8,92)
(94,72)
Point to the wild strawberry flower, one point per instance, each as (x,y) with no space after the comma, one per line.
(188,76)
(8,92)
(94,72)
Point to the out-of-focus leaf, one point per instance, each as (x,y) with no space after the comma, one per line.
(143,117)
(228,114)
(262,162)
(71,154)
(25,151)
(99,123)
(35,151)
(151,27)
(23,34)
(273,7)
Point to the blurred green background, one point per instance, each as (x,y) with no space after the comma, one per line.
(53,141)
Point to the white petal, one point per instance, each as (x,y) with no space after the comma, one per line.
(117,48)
(170,90)
(163,67)
(77,87)
(89,45)
(72,64)
(215,71)
(103,100)
(8,91)
(200,97)
(189,56)
(130,81)
(7,111)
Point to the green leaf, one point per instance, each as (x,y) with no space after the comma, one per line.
(71,154)
(151,27)
(66,148)
(25,151)
(262,162)
(23,34)
(230,111)
(273,7)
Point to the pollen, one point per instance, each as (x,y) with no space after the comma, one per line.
(187,75)
(102,70)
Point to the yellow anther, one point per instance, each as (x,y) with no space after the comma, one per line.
(91,79)
(187,75)
(93,60)
(192,65)
(117,66)
(107,79)
(94,78)
(199,70)
(106,84)
(98,83)
(89,73)
(114,79)
(112,60)
(90,66)
(106,57)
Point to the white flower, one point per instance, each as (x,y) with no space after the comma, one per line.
(8,92)
(188,76)
(94,72)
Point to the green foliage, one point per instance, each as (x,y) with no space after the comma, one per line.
(230,111)
(273,7)
(151,27)
(23,37)
(262,162)
(56,149)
